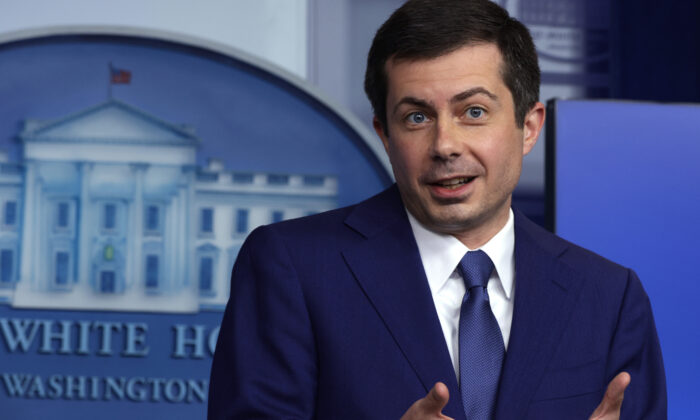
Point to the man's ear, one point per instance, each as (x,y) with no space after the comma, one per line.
(534,120)
(381,132)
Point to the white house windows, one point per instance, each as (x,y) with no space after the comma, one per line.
(108,281)
(277,216)
(61,259)
(108,266)
(242,178)
(62,269)
(206,221)
(207,176)
(153,265)
(241,221)
(314,180)
(109,217)
(7,267)
(9,241)
(207,260)
(153,219)
(64,216)
(9,216)
(276,179)
(112,217)
(206,274)
(152,271)
(105,231)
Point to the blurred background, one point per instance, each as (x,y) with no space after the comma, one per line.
(312,54)
(621,49)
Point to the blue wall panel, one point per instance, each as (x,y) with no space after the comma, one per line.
(627,186)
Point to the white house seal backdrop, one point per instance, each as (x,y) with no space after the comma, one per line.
(131,171)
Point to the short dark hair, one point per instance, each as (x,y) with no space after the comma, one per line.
(425,29)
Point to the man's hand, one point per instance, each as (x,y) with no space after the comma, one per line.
(609,408)
(430,407)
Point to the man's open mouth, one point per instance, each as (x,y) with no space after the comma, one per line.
(454,182)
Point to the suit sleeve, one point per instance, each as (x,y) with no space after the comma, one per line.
(265,360)
(635,349)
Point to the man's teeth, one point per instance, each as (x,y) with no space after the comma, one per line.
(455,182)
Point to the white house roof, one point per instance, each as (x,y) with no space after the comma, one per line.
(111,122)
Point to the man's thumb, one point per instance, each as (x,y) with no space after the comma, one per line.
(437,398)
(611,404)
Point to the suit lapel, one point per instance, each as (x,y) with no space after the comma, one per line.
(545,294)
(388,267)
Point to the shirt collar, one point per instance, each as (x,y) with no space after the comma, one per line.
(441,253)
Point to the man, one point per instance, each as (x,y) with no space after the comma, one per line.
(373,311)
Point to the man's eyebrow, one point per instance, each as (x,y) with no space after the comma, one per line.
(471,92)
(410,100)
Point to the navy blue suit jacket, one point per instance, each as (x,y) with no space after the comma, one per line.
(331,317)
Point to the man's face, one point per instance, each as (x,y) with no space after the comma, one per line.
(453,141)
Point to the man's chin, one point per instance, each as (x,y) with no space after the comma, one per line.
(450,223)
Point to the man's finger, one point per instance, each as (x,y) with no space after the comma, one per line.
(610,407)
(616,389)
(430,406)
(436,399)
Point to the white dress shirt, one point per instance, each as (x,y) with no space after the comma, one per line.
(440,255)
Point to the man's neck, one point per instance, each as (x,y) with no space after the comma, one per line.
(478,236)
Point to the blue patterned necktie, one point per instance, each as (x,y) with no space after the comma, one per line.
(481,348)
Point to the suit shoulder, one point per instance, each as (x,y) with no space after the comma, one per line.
(577,257)
(320,224)
(318,230)
(607,281)
(346,223)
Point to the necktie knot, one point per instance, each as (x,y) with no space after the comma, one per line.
(476,268)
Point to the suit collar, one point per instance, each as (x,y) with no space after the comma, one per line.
(376,213)
(440,254)
(388,267)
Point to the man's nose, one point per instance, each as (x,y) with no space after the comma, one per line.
(446,141)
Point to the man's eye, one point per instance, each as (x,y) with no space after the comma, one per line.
(475,112)
(417,118)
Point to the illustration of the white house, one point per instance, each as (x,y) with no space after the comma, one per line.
(108,210)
